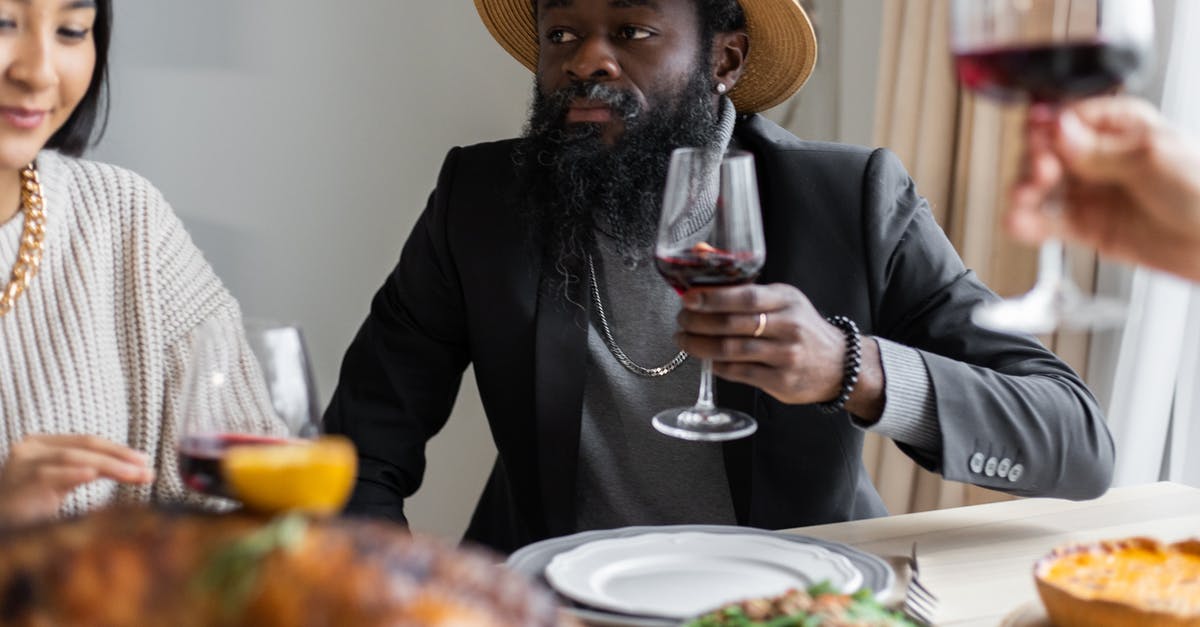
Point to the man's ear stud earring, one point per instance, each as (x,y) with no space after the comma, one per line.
(721,88)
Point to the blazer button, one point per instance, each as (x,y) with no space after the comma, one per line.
(1002,469)
(1015,472)
(977,462)
(990,468)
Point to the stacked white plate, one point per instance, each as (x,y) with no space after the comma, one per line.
(656,576)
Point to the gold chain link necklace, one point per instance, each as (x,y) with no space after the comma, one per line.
(33,238)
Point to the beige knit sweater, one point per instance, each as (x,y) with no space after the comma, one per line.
(98,342)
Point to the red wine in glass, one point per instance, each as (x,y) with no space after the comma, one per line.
(245,383)
(1048,73)
(709,235)
(200,459)
(1044,53)
(708,268)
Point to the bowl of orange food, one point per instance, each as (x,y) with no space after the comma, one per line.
(1133,581)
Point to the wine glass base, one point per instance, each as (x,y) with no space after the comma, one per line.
(704,425)
(1044,310)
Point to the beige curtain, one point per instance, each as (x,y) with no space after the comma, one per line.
(962,152)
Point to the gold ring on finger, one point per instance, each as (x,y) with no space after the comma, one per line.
(762,324)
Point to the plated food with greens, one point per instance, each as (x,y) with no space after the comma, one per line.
(818,606)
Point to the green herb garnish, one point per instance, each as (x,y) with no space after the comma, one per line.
(232,572)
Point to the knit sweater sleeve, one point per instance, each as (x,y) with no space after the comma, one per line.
(191,302)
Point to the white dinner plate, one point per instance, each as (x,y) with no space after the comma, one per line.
(680,575)
(531,560)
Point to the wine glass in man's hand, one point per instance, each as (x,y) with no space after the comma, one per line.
(709,235)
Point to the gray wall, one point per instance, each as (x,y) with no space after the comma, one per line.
(838,102)
(299,139)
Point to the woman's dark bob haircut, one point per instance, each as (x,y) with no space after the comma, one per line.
(90,117)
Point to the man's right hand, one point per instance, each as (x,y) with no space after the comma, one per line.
(42,470)
(1132,183)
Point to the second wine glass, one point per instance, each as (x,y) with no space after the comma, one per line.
(1047,53)
(709,235)
(250,421)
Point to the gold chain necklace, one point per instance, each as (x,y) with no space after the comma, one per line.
(33,238)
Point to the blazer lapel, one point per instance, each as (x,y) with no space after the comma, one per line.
(560,364)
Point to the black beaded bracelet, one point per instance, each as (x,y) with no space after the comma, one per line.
(852,366)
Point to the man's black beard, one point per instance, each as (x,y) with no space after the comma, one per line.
(572,183)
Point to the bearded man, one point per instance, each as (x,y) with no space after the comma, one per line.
(532,263)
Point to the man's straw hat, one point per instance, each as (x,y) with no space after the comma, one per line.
(783,47)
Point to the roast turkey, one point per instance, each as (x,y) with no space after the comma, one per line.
(138,566)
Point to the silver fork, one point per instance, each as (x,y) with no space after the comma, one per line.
(919,603)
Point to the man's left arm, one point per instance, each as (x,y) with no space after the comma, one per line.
(1009,415)
(980,407)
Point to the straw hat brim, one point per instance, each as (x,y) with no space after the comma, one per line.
(783,46)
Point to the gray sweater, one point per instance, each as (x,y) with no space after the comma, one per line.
(629,474)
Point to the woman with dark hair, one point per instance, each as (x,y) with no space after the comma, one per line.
(104,289)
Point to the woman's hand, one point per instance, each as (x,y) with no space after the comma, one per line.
(1132,183)
(42,470)
(796,356)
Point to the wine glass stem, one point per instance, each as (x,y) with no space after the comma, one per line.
(1051,266)
(705,401)
(1052,270)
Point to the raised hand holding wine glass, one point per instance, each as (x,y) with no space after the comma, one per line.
(1035,51)
(709,235)
(250,426)
(711,248)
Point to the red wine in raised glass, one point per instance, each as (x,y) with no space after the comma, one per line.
(1043,52)
(709,235)
(1048,73)
(200,459)
(709,268)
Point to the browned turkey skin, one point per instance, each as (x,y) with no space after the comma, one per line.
(136,566)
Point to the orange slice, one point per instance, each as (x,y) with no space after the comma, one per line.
(314,477)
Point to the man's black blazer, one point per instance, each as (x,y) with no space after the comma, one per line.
(843,224)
